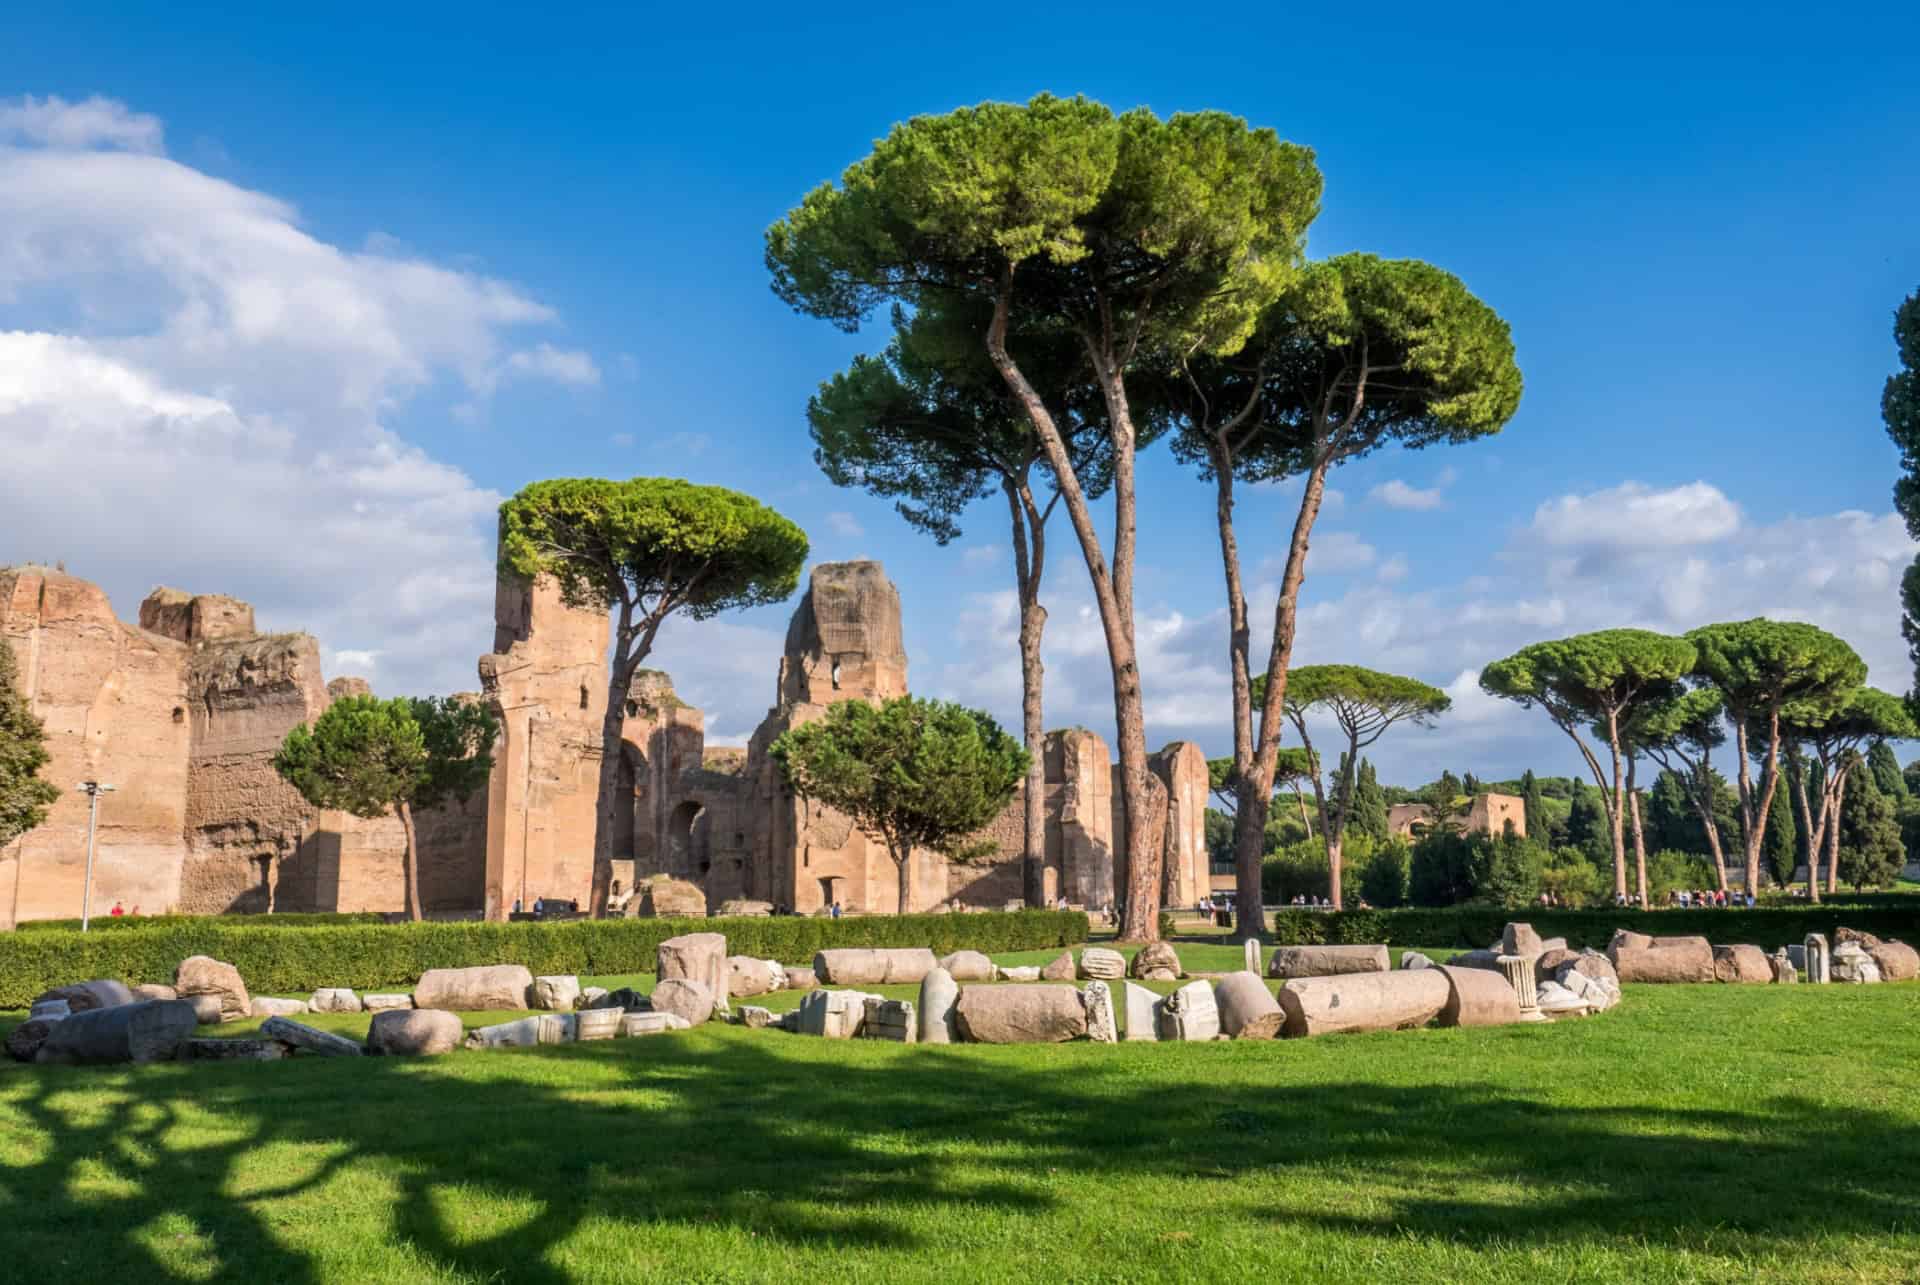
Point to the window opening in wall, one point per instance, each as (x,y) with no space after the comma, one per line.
(835,675)
(179,714)
(583,696)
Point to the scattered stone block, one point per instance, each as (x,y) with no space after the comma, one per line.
(1741,965)
(307,1039)
(1143,1013)
(1520,939)
(334,999)
(696,957)
(1327,961)
(1550,944)
(662,897)
(24,1040)
(1250,948)
(1098,1000)
(598,1023)
(1819,961)
(523,1033)
(557,1028)
(1392,1001)
(414,1032)
(1486,959)
(1155,962)
(890,1019)
(1099,963)
(102,992)
(834,1015)
(1626,940)
(154,990)
(1476,997)
(1247,1009)
(624,998)
(1021,1014)
(968,966)
(1598,993)
(208,1010)
(1018,973)
(748,976)
(1414,959)
(684,997)
(1784,972)
(899,966)
(1897,961)
(1549,961)
(594,997)
(1062,969)
(636,1024)
(801,979)
(745,908)
(218,1050)
(1190,1014)
(1851,963)
(268,1006)
(489,988)
(555,993)
(755,1018)
(51,1010)
(939,992)
(386,1003)
(1797,953)
(204,975)
(1557,1002)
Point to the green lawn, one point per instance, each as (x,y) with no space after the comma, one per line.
(1696,1133)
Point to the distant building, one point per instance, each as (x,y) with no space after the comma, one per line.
(1488,814)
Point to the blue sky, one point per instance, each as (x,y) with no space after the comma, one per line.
(327,290)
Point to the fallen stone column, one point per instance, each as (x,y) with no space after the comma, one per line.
(938,994)
(218,1050)
(970,966)
(1390,1001)
(1098,998)
(490,988)
(1143,1013)
(1476,997)
(150,1031)
(1326,961)
(1247,1009)
(1741,964)
(308,1039)
(697,957)
(204,975)
(833,1015)
(1190,1014)
(1691,963)
(1898,961)
(898,966)
(1102,964)
(556,993)
(1042,1014)
(414,1032)
(683,996)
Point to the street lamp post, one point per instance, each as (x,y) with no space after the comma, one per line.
(93,790)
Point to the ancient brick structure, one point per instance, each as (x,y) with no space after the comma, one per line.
(183,714)
(1487,814)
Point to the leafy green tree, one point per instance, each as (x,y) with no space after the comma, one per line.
(1363,704)
(371,757)
(1571,877)
(24,797)
(930,424)
(1535,804)
(1384,877)
(1595,679)
(1761,667)
(1370,812)
(914,773)
(1587,825)
(1679,729)
(645,549)
(1900,410)
(1357,354)
(1139,237)
(1293,769)
(1871,852)
(1834,731)
(1886,772)
(1441,868)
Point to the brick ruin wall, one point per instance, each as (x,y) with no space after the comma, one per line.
(184,712)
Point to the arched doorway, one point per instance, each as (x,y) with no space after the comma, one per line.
(687,850)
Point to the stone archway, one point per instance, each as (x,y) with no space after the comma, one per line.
(688,855)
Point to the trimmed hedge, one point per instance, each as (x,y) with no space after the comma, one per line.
(109,923)
(276,960)
(1472,927)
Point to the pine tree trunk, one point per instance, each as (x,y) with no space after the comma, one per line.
(410,864)
(1639,838)
(606,817)
(1617,820)
(1029,560)
(903,870)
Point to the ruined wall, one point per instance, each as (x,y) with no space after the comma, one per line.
(1182,768)
(547,679)
(113,699)
(1486,814)
(1081,802)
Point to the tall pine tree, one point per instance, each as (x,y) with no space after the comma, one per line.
(1536,807)
(1886,772)
(24,797)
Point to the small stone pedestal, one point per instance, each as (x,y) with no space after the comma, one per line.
(1519,971)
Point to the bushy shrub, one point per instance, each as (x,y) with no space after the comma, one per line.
(1473,927)
(1572,878)
(1384,879)
(1668,871)
(281,959)
(109,923)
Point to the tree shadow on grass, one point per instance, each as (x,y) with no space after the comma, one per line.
(760,1135)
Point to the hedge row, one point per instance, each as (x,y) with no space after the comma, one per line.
(1470,927)
(276,960)
(109,923)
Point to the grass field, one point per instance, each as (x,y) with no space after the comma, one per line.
(1695,1133)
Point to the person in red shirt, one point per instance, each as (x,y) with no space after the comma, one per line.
(116,912)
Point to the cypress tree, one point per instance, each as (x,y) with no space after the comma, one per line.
(1369,804)
(24,797)
(1536,807)
(1871,851)
(1886,772)
(1780,849)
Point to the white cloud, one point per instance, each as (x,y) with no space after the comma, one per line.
(562,366)
(1635,516)
(687,443)
(93,122)
(982,556)
(1396,494)
(844,524)
(1392,569)
(201,401)
(1334,552)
